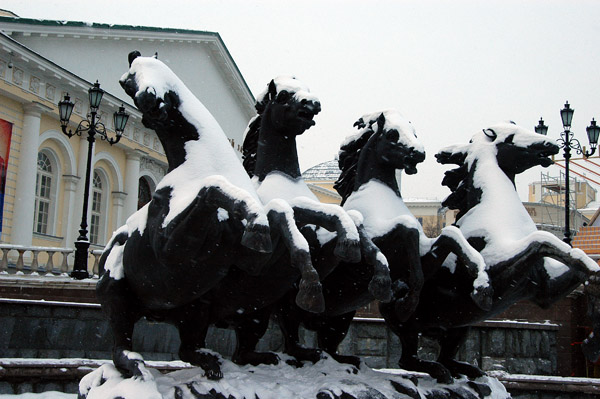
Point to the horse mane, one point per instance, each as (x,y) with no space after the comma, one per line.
(348,158)
(456,180)
(250,144)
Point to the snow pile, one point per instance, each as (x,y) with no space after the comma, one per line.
(325,379)
(393,121)
(291,85)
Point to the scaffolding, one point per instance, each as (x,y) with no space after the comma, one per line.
(553,189)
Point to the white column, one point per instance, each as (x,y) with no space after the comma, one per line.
(22,231)
(132,179)
(77,209)
(118,204)
(69,232)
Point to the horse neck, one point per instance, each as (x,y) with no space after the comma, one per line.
(174,147)
(493,185)
(370,167)
(276,152)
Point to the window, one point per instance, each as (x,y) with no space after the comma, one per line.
(96,208)
(43,187)
(144,192)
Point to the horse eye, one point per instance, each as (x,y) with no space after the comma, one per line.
(283,97)
(393,135)
(509,139)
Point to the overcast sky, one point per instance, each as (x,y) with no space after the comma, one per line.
(451,67)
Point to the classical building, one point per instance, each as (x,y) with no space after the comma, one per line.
(42,171)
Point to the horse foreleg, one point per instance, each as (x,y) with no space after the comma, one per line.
(409,240)
(450,343)
(191,322)
(331,334)
(223,194)
(288,317)
(380,285)
(409,339)
(122,312)
(332,218)
(310,291)
(520,264)
(248,333)
(452,241)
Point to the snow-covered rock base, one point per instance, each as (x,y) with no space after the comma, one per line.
(327,379)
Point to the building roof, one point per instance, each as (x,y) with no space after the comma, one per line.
(29,26)
(325,171)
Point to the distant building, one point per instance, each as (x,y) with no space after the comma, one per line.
(430,213)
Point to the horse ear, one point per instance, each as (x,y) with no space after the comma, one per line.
(360,123)
(156,55)
(380,122)
(132,56)
(490,133)
(272,90)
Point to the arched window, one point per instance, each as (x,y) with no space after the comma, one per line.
(96,213)
(144,192)
(43,194)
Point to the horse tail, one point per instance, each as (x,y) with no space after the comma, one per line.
(250,145)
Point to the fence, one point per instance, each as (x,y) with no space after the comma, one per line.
(35,261)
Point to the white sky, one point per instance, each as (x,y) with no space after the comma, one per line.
(451,67)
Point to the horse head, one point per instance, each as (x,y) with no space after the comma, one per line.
(519,149)
(285,109)
(288,105)
(512,148)
(385,141)
(162,97)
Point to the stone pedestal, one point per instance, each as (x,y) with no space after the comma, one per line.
(326,379)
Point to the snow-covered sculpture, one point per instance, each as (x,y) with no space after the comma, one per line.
(522,262)
(285,110)
(204,219)
(369,159)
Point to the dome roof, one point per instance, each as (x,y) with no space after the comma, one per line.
(326,171)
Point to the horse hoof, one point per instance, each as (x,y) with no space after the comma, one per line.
(294,363)
(205,360)
(310,297)
(348,250)
(257,237)
(255,358)
(129,363)
(381,288)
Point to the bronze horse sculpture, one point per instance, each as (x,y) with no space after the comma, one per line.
(285,110)
(369,158)
(204,221)
(521,262)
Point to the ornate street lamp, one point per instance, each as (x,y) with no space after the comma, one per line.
(568,141)
(92,126)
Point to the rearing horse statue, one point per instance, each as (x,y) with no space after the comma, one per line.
(522,263)
(383,143)
(285,110)
(204,220)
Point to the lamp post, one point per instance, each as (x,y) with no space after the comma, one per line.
(568,142)
(92,126)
